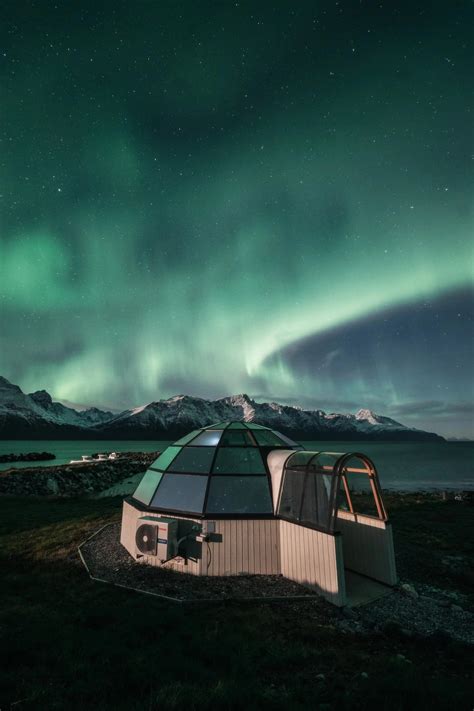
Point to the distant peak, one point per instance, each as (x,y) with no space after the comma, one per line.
(7,385)
(241,397)
(41,397)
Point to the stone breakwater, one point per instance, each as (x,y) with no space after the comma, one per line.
(74,479)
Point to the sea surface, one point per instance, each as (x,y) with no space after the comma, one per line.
(404,466)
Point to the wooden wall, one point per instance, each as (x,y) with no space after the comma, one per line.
(130,516)
(272,546)
(313,559)
(243,546)
(367,546)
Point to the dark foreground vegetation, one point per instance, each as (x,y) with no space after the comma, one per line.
(69,643)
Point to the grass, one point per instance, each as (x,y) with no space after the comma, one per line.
(69,643)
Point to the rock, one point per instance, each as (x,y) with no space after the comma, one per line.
(456,608)
(349,613)
(52,485)
(320,677)
(409,590)
(364,675)
(402,658)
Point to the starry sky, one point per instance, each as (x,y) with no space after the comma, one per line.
(220,197)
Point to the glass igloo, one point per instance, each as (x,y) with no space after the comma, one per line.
(220,470)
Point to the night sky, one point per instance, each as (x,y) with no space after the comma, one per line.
(225,197)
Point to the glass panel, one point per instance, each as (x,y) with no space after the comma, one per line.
(342,502)
(267,438)
(181,492)
(217,426)
(287,440)
(166,457)
(361,493)
(306,497)
(236,438)
(194,460)
(209,438)
(253,426)
(239,495)
(147,486)
(326,461)
(238,460)
(187,438)
(316,498)
(237,426)
(299,459)
(291,494)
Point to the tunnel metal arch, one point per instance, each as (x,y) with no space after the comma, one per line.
(338,471)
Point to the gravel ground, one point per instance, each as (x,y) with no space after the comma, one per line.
(421,611)
(107,559)
(415,612)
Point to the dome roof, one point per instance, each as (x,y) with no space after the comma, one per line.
(219,470)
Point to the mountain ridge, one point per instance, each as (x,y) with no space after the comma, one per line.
(37,416)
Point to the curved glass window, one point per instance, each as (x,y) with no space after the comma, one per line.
(147,486)
(181,492)
(239,460)
(266,438)
(166,457)
(240,495)
(208,438)
(194,460)
(305,497)
(287,440)
(299,459)
(187,438)
(237,438)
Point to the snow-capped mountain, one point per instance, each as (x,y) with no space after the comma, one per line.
(37,416)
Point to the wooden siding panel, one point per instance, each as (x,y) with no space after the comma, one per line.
(312,558)
(368,547)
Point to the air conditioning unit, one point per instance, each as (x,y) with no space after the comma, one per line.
(157,537)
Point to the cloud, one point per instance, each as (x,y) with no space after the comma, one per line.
(433,408)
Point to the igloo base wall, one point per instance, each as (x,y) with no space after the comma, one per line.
(268,546)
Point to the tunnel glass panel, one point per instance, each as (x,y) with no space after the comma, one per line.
(209,438)
(187,438)
(194,460)
(291,494)
(181,492)
(267,438)
(360,491)
(315,506)
(253,426)
(239,495)
(299,459)
(166,457)
(238,460)
(237,438)
(147,486)
(236,426)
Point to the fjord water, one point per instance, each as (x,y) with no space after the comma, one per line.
(405,466)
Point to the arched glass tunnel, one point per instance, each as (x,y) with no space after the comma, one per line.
(316,485)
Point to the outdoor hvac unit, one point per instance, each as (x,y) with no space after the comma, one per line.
(157,537)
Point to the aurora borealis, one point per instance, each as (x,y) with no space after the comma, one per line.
(213,198)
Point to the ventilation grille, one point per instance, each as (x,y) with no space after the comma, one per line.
(146,539)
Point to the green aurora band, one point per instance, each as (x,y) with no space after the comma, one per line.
(183,198)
